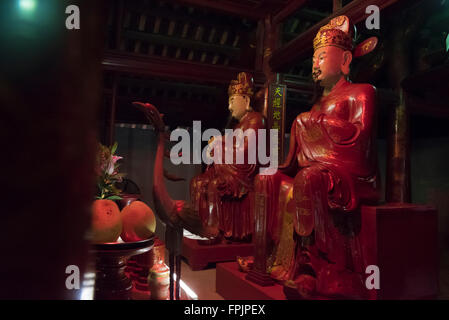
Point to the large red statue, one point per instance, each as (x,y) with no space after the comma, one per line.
(331,169)
(223,194)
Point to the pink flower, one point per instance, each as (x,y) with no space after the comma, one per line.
(111,165)
(116,158)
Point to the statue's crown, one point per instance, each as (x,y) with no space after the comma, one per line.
(243,85)
(338,33)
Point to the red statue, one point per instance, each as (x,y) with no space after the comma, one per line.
(221,200)
(331,169)
(223,194)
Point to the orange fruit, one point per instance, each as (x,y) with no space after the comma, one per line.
(139,222)
(106,221)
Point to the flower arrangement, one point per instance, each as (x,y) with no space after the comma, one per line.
(107,173)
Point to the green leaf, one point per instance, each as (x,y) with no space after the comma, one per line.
(114,148)
(114,198)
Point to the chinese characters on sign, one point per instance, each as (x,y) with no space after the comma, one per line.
(276,113)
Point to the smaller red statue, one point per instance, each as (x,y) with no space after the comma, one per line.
(221,201)
(223,193)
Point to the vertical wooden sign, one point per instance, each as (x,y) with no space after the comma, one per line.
(277,94)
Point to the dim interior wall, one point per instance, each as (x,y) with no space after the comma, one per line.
(429,178)
(138,148)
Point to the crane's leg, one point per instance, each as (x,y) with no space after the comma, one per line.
(178,277)
(173,242)
(172,271)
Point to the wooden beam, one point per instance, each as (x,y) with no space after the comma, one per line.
(172,68)
(289,9)
(183,16)
(301,46)
(227,7)
(182,43)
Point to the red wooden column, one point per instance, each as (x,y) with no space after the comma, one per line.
(274,110)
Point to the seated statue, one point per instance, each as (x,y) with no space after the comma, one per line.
(223,193)
(314,198)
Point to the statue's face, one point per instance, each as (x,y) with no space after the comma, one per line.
(329,64)
(238,104)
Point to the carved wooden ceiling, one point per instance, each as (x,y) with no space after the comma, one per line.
(181,54)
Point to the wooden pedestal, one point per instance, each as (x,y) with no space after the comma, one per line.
(199,256)
(262,279)
(232,284)
(402,240)
(111,282)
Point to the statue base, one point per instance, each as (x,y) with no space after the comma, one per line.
(262,279)
(232,284)
(199,256)
(402,240)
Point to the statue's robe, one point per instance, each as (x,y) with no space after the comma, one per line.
(333,160)
(223,194)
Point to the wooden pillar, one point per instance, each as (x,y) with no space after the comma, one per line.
(398,186)
(259,273)
(51,89)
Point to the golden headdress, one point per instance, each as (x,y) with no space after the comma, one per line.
(243,85)
(338,33)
